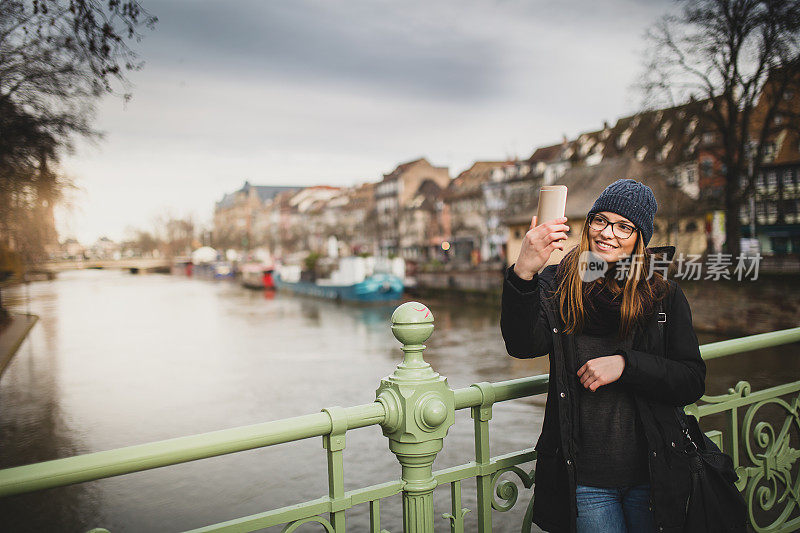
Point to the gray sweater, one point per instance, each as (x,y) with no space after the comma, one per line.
(613,449)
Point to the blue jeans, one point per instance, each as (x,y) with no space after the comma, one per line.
(615,510)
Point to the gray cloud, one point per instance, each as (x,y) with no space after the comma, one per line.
(386,47)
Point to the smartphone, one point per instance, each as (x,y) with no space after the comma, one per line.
(552,204)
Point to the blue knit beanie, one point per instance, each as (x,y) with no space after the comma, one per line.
(631,199)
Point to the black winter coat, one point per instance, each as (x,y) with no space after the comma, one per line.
(659,382)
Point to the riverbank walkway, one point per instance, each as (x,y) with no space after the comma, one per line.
(12,335)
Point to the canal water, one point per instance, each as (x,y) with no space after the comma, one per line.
(119,359)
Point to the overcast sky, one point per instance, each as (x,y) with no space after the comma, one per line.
(295,92)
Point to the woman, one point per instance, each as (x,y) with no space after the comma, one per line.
(608,457)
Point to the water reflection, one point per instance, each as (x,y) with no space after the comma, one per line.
(32,419)
(118,359)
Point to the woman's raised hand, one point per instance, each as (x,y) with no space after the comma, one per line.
(538,244)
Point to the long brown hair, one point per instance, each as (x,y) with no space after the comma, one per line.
(639,294)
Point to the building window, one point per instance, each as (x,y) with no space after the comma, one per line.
(788,182)
(708,138)
(662,133)
(760,180)
(594,159)
(787,208)
(778,119)
(772,180)
(690,148)
(769,152)
(779,244)
(744,214)
(772,213)
(586,145)
(690,175)
(706,166)
(622,141)
(666,150)
(761,213)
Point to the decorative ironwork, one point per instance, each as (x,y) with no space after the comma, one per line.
(318,519)
(769,481)
(456,516)
(741,390)
(508,491)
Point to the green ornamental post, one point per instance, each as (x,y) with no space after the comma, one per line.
(420,408)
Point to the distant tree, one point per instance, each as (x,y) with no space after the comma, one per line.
(177,235)
(140,242)
(27,183)
(730,53)
(224,238)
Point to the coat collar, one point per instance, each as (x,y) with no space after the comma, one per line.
(667,251)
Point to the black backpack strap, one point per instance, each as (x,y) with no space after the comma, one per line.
(661,314)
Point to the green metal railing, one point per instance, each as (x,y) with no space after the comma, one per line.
(415,409)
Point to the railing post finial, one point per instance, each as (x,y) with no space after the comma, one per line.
(420,408)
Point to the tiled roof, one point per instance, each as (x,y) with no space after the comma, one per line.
(402,167)
(265,193)
(425,197)
(468,183)
(788,149)
(547,154)
(585,183)
(268,192)
(666,136)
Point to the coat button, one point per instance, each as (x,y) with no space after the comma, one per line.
(654,453)
(555,330)
(672,443)
(569,462)
(563,395)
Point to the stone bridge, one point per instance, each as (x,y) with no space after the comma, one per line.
(134,265)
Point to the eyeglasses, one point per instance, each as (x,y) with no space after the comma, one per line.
(621,229)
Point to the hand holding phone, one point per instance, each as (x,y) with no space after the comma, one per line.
(541,240)
(538,244)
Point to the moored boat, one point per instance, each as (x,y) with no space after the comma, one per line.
(357,279)
(182,266)
(257,276)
